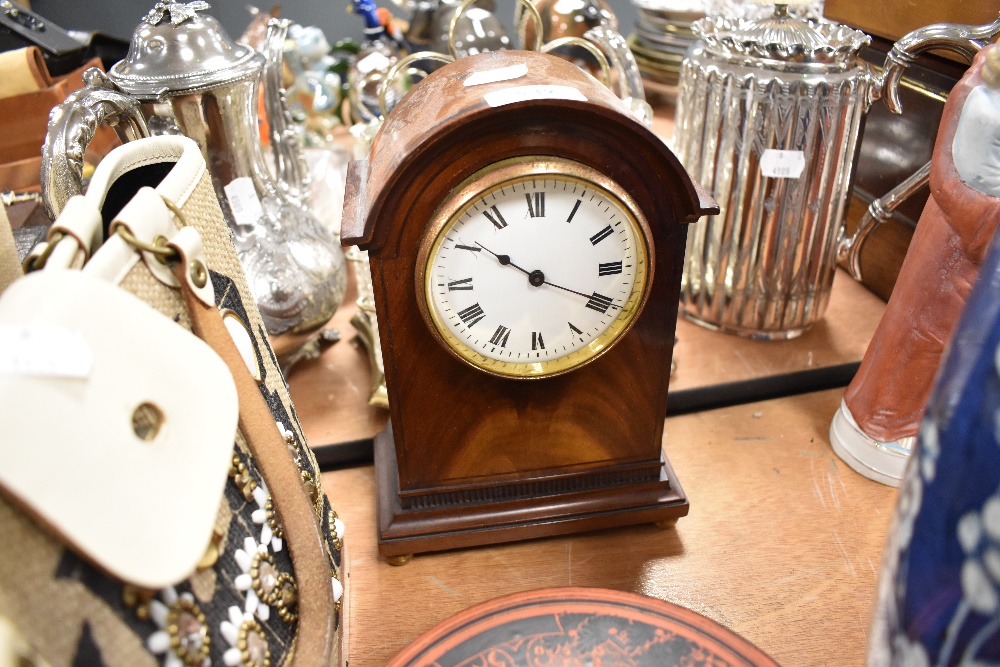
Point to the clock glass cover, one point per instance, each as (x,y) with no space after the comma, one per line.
(534,266)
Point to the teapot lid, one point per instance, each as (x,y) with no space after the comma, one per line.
(782,37)
(178,50)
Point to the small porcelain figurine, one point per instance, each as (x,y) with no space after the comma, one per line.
(378,53)
(874,429)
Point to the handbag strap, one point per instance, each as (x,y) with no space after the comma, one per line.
(23,71)
(314,638)
(10,267)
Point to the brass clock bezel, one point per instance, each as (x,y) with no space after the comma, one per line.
(491,178)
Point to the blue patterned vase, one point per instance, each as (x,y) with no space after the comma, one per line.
(939,589)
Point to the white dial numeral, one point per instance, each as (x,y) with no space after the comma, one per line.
(535,270)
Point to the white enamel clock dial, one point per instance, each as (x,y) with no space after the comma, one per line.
(537,266)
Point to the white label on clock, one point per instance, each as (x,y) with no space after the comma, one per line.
(497,75)
(782,164)
(243,201)
(499,98)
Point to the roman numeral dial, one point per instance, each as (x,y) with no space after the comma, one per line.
(539,271)
(536,204)
(493,215)
(501,336)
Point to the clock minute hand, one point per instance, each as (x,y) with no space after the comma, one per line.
(573,291)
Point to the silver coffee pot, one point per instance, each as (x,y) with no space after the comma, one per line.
(184,75)
(768,121)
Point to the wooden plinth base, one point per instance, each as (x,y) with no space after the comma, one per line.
(403,531)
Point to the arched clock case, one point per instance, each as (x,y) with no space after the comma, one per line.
(526,237)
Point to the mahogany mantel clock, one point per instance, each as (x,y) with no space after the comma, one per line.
(526,236)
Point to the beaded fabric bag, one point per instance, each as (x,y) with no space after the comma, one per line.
(264,587)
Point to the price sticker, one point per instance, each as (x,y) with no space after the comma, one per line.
(243,201)
(44,351)
(496,75)
(782,164)
(499,98)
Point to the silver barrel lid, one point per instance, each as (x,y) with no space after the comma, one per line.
(782,38)
(176,49)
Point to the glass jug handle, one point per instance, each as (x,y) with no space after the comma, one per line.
(72,125)
(965,40)
(879,211)
(629,80)
(405,65)
(589,46)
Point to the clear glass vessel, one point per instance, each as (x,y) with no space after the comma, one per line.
(768,121)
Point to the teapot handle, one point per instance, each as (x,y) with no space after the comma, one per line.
(292,172)
(72,125)
(966,40)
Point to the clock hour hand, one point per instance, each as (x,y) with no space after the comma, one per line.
(505,261)
(536,278)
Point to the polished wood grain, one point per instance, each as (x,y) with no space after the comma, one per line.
(782,544)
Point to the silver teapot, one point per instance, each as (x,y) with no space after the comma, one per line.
(768,121)
(183,75)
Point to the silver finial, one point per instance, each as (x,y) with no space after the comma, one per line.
(179,11)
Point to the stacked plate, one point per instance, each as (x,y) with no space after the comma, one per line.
(661,38)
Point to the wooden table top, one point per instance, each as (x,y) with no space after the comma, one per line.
(782,544)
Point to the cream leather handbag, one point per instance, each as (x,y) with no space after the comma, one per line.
(158,501)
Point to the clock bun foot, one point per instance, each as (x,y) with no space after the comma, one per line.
(667,523)
(401,559)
